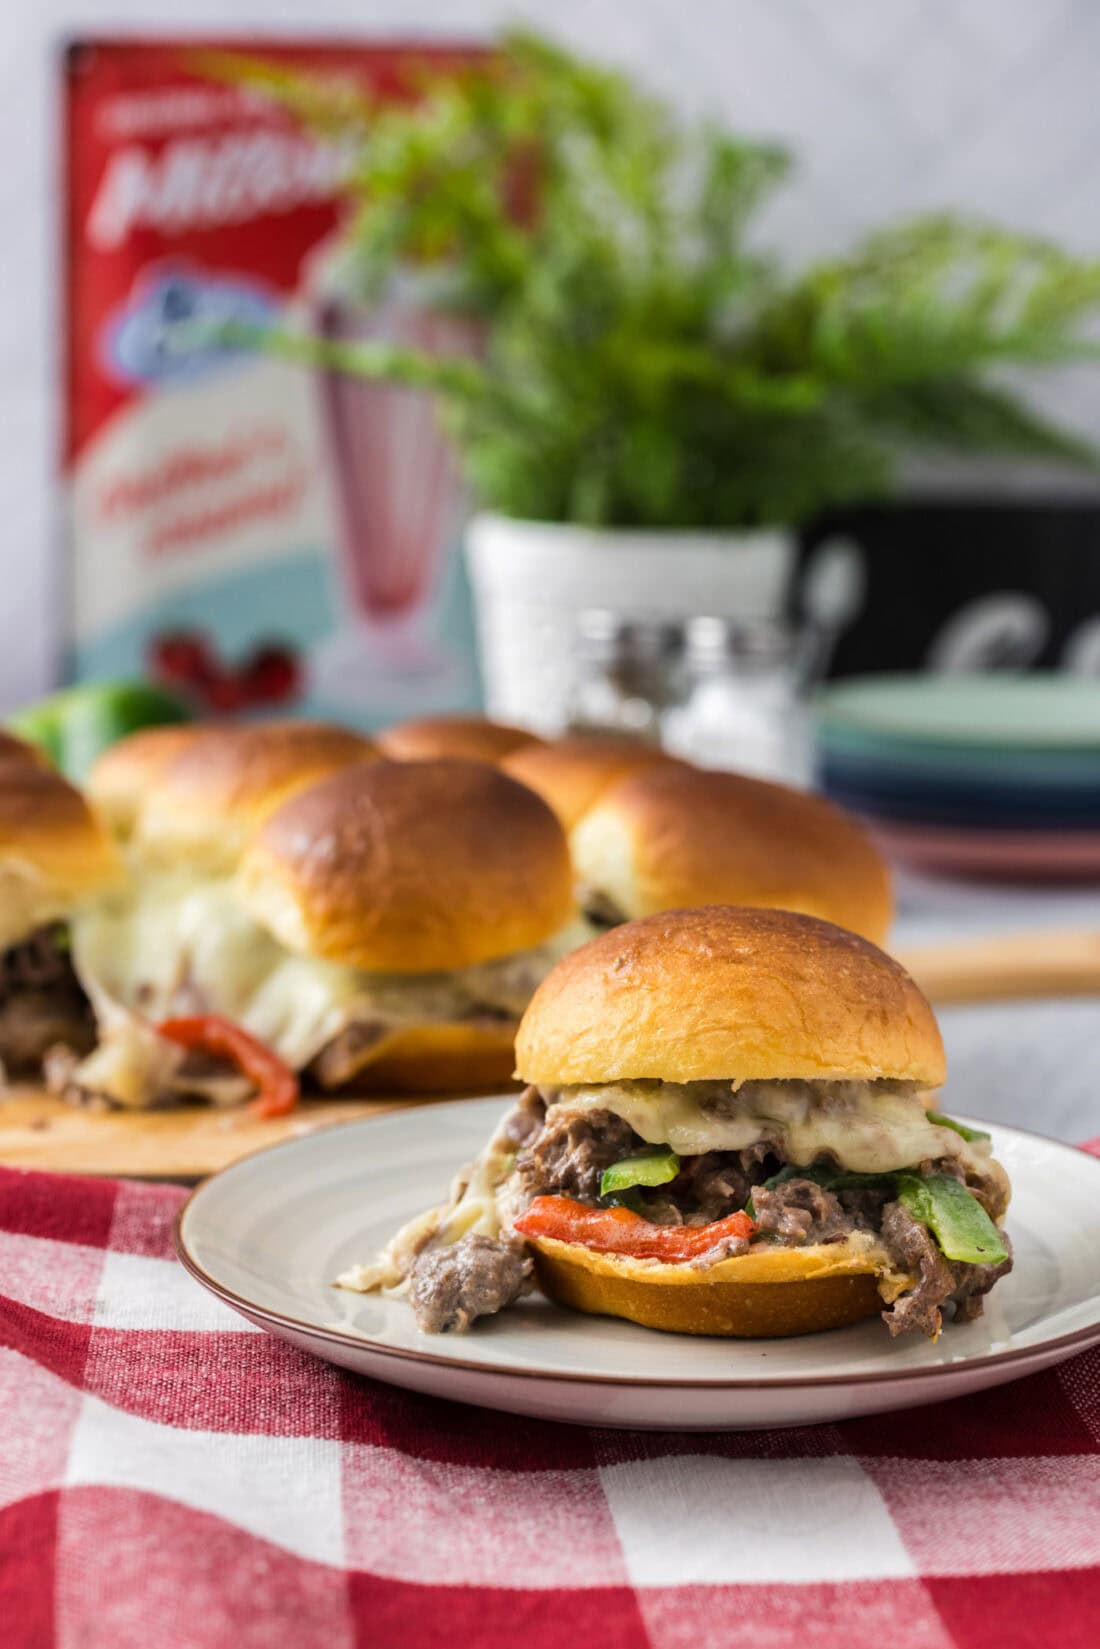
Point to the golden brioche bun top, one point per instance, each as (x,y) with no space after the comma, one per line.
(572,774)
(411,867)
(666,838)
(121,776)
(20,752)
(54,853)
(204,802)
(728,994)
(462,738)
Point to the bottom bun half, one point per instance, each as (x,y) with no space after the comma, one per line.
(761,1295)
(477,1056)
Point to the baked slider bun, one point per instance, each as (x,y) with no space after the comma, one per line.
(723,1133)
(572,774)
(410,867)
(54,853)
(442,884)
(722,994)
(125,772)
(200,805)
(462,738)
(18,752)
(55,858)
(666,838)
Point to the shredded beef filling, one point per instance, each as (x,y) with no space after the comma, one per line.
(475,1277)
(914,1249)
(568,1155)
(525,1118)
(799,1212)
(42,1004)
(562,1152)
(599,909)
(345,1056)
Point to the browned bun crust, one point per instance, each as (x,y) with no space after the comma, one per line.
(462,738)
(209,797)
(20,752)
(471,1057)
(761,1295)
(410,867)
(572,774)
(728,994)
(54,853)
(665,838)
(123,773)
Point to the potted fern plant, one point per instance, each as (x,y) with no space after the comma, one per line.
(655,406)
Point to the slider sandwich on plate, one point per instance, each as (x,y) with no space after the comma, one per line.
(725,1131)
(382,927)
(55,857)
(668,837)
(464,738)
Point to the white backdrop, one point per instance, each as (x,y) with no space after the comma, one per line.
(896,107)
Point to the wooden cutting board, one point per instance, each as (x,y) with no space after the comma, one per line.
(1007,966)
(39,1131)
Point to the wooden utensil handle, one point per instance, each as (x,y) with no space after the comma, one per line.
(1002,966)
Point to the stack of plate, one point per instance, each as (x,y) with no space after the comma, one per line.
(979,775)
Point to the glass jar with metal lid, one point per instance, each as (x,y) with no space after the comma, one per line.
(744,706)
(627,674)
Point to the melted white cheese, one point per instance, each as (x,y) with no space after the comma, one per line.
(867,1130)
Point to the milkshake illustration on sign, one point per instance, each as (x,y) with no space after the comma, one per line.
(237,525)
(397,495)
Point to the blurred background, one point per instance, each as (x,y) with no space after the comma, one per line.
(719,373)
(638,374)
(889,111)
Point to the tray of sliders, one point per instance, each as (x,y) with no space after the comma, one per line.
(238,934)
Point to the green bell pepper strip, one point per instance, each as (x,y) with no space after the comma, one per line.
(969,1134)
(654,1167)
(954,1216)
(75,726)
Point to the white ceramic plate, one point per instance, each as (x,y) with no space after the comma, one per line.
(269,1234)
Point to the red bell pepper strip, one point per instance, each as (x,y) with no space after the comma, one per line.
(209,1032)
(621,1231)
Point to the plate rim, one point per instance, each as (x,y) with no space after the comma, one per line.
(1080,1337)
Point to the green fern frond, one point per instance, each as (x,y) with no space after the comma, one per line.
(645,364)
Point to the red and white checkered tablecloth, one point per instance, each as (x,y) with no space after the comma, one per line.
(171,1476)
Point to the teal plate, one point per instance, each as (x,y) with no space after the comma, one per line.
(1002,717)
(942,763)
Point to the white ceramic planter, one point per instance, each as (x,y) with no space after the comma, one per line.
(530,579)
